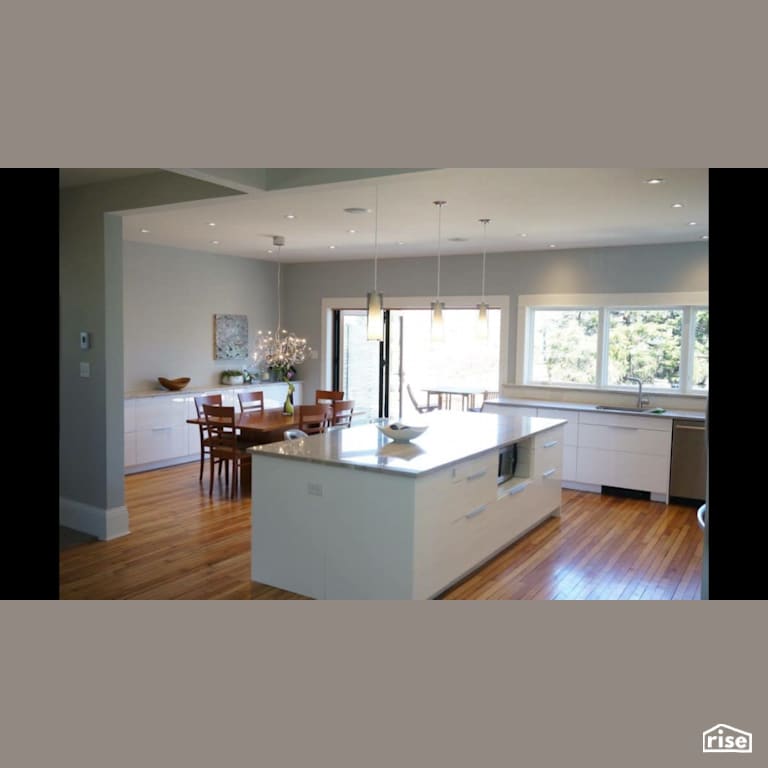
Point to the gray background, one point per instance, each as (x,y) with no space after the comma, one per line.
(529,84)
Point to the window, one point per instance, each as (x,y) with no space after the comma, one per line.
(600,340)
(564,346)
(645,343)
(701,350)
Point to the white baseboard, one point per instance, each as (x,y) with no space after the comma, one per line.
(574,486)
(105,524)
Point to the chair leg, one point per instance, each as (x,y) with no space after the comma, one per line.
(202,462)
(210,486)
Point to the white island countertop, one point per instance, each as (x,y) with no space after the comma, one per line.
(452,437)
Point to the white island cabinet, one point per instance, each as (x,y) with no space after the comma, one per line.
(351,514)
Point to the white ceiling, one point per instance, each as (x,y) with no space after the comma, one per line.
(564,207)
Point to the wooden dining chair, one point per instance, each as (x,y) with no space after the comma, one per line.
(328,395)
(419,408)
(225,445)
(251,401)
(342,412)
(201,400)
(314,419)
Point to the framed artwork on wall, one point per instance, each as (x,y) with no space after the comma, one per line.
(230,337)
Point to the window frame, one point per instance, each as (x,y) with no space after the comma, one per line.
(688,302)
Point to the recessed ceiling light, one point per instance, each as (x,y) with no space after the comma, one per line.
(458,239)
(331,247)
(677,205)
(290,216)
(351,231)
(552,245)
(523,234)
(211,223)
(269,250)
(357,210)
(144,231)
(214,242)
(400,242)
(654,181)
(691,223)
(705,237)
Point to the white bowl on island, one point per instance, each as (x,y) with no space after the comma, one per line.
(400,433)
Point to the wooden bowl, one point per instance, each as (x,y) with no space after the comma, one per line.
(174,384)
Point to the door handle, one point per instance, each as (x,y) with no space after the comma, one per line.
(550,444)
(695,429)
(475,512)
(549,473)
(477,475)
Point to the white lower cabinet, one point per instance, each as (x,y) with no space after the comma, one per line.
(156,429)
(612,449)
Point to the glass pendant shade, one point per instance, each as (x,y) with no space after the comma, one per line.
(438,330)
(482,321)
(375,316)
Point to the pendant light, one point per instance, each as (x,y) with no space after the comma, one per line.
(375,298)
(438,331)
(482,307)
(280,349)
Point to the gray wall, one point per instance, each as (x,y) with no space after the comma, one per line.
(170,298)
(90,291)
(634,269)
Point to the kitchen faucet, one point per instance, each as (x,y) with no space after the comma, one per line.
(641,401)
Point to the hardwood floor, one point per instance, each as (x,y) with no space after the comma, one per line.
(185,545)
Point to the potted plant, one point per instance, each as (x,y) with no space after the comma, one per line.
(232,377)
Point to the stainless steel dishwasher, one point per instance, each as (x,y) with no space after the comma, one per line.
(688,470)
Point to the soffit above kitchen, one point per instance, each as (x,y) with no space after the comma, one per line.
(530,209)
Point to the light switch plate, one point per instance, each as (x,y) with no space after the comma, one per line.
(85,370)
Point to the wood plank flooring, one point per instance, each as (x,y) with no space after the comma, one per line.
(185,545)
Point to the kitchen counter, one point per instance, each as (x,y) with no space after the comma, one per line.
(350,514)
(570,406)
(199,390)
(451,437)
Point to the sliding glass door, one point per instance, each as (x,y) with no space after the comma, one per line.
(376,375)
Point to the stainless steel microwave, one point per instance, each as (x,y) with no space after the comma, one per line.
(507,463)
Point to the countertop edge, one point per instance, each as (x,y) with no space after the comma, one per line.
(588,407)
(270,450)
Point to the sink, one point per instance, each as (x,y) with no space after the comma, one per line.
(622,408)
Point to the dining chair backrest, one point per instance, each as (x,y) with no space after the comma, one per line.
(342,412)
(294,434)
(220,421)
(419,408)
(251,401)
(202,400)
(328,395)
(314,419)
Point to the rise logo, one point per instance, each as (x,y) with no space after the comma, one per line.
(726,738)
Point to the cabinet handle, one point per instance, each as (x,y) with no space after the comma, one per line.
(517,489)
(616,426)
(695,429)
(700,516)
(161,429)
(477,475)
(549,473)
(550,444)
(475,512)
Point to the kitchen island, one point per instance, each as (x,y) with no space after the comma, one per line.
(352,514)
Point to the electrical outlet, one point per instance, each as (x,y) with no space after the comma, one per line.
(313,354)
(314,489)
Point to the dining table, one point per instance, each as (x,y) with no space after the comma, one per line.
(258,427)
(445,395)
